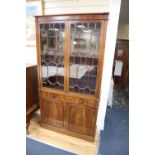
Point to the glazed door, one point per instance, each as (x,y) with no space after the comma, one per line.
(52,112)
(81,119)
(71,56)
(84,56)
(52,36)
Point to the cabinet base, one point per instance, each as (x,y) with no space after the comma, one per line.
(69,133)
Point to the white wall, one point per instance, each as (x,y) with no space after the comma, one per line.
(114,9)
(75,6)
(94,6)
(31,55)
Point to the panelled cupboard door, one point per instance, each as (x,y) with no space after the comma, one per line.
(52,112)
(81,119)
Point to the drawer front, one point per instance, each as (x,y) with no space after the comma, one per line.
(52,95)
(84,101)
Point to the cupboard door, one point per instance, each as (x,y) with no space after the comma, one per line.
(52,55)
(84,56)
(81,119)
(52,113)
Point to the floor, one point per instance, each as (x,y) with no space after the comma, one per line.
(54,139)
(40,148)
(115,137)
(121,98)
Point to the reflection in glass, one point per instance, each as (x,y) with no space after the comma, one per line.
(84,57)
(52,55)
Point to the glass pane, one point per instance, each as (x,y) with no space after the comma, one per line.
(52,55)
(84,57)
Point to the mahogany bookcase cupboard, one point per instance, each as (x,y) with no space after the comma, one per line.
(70,52)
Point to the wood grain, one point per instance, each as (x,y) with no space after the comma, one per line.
(31,85)
(66,56)
(52,112)
(32,97)
(69,17)
(101,57)
(65,97)
(63,111)
(81,119)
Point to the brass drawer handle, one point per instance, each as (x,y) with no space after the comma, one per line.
(51,95)
(69,98)
(81,101)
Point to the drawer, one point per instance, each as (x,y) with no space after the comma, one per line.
(52,95)
(83,101)
(74,99)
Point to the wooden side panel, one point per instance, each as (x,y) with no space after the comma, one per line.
(81,119)
(52,112)
(31,86)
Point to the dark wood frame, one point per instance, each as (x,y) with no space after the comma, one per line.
(32,98)
(64,95)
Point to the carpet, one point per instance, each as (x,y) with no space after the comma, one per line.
(115,136)
(34,147)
